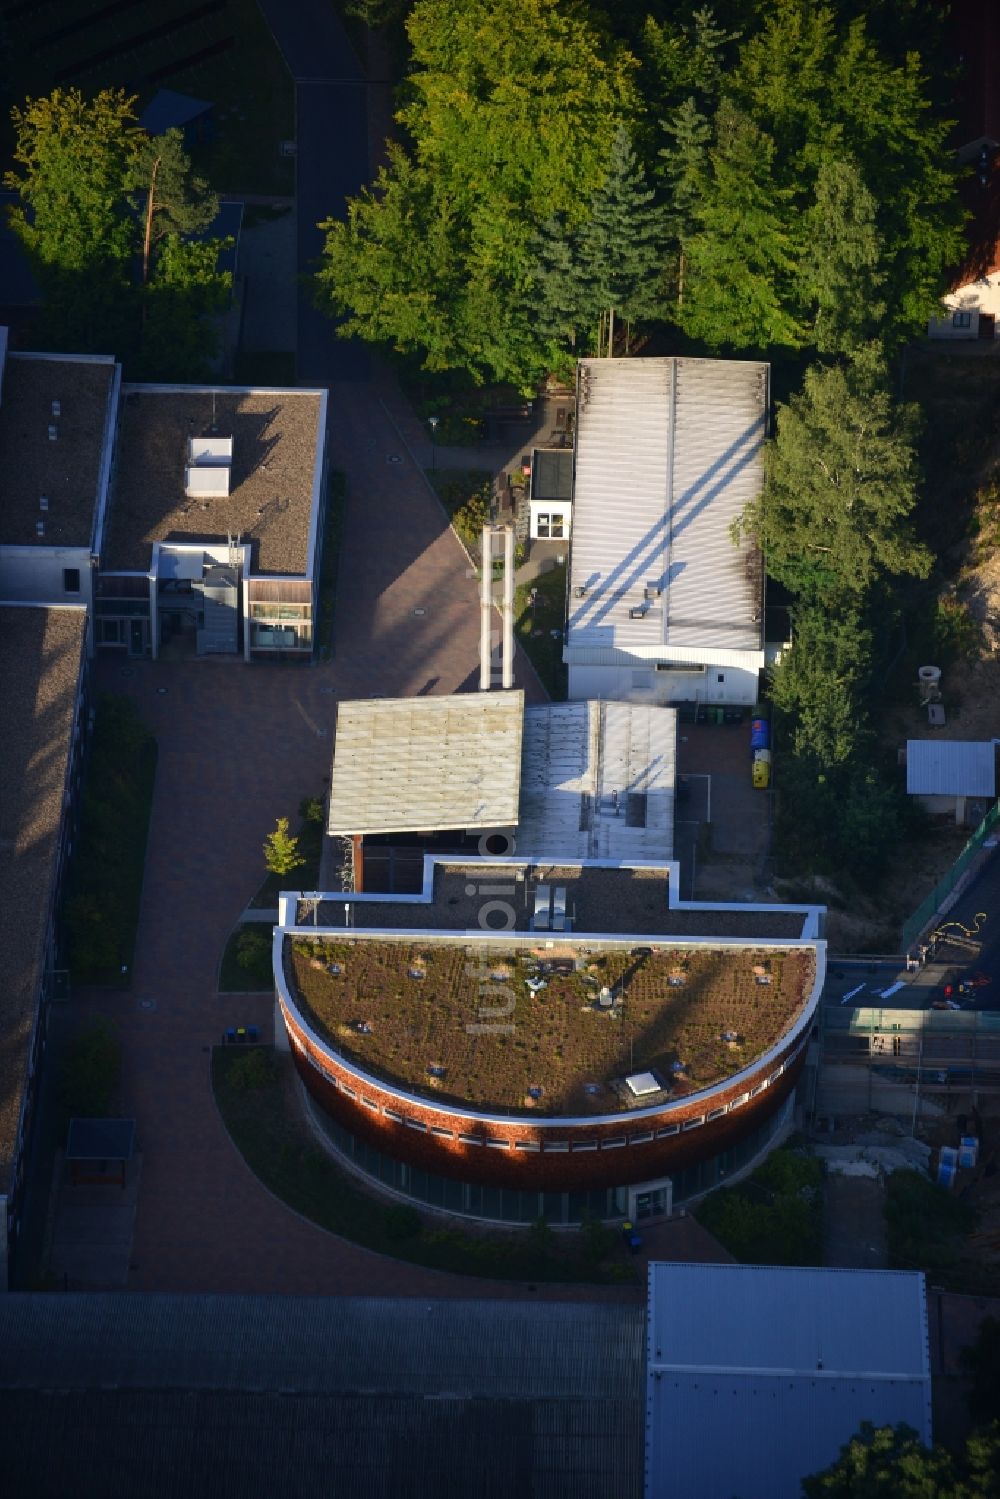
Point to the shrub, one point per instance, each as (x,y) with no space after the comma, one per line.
(91,1071)
(597,1240)
(471,516)
(252,949)
(401,1222)
(773,1218)
(311,809)
(256,1070)
(926,1223)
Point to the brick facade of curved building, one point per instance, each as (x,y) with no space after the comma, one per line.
(545,1153)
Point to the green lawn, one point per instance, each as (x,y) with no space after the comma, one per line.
(259,1105)
(927,1227)
(535,624)
(100,913)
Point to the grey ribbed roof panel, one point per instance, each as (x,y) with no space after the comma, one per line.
(426,763)
(580,764)
(113,1396)
(757,1375)
(668,452)
(950,767)
(322,1345)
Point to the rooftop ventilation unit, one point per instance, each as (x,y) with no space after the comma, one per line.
(39,528)
(209,467)
(53,432)
(639,612)
(57,408)
(652,590)
(43,502)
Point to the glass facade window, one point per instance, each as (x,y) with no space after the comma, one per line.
(275,637)
(511,1205)
(276,613)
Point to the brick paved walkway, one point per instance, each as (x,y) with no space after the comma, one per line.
(240,746)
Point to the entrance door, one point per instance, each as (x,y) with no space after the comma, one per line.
(987,325)
(137,637)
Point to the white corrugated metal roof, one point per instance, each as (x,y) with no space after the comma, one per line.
(597,781)
(668,452)
(950,767)
(427,763)
(758,1374)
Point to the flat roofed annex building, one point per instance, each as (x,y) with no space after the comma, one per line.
(662,606)
(486,773)
(757,1375)
(43,688)
(524,1039)
(187,519)
(216,522)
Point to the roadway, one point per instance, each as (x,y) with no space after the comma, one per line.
(331,165)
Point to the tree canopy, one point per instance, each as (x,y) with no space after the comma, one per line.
(840,485)
(104,214)
(512,107)
(804,196)
(890,1462)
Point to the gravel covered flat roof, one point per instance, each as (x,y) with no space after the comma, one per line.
(67,471)
(40,661)
(630,901)
(277,445)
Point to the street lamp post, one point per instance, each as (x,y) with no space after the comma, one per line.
(433,421)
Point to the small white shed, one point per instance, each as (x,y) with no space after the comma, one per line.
(946,775)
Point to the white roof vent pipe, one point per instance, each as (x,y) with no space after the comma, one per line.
(53,432)
(43,502)
(57,408)
(39,528)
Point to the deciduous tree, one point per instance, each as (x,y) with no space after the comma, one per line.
(74,156)
(281,849)
(512,109)
(892,1461)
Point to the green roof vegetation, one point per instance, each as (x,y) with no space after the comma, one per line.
(553,1030)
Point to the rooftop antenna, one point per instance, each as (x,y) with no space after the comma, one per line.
(215,425)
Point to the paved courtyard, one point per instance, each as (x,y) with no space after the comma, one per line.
(239,746)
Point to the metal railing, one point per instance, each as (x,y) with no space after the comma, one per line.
(929,908)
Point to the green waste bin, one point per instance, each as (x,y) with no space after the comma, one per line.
(720,715)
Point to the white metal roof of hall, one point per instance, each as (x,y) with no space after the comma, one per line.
(425,764)
(668,452)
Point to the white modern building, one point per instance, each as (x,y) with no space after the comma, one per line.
(663,606)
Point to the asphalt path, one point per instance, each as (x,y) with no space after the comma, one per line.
(331,165)
(312,40)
